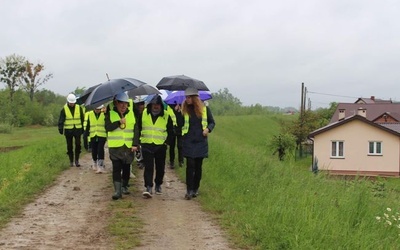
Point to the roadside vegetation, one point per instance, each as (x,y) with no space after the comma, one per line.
(263,200)
(29,164)
(265,203)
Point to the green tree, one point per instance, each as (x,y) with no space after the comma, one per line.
(11,71)
(31,80)
(223,103)
(325,114)
(301,127)
(283,144)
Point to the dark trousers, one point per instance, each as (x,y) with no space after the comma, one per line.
(118,167)
(98,148)
(154,156)
(70,151)
(193,173)
(175,140)
(85,141)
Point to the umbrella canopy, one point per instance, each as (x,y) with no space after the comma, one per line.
(180,82)
(144,89)
(177,97)
(106,91)
(85,95)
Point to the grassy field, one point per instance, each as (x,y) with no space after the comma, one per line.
(267,204)
(28,164)
(261,202)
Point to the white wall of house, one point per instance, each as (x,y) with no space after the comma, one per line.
(356,136)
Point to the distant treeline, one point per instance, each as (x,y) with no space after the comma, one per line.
(45,107)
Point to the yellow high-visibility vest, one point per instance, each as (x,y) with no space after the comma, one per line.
(86,119)
(97,125)
(154,133)
(172,114)
(204,122)
(72,120)
(119,136)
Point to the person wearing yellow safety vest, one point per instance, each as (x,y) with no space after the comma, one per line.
(198,123)
(86,138)
(96,131)
(119,123)
(154,128)
(132,107)
(139,105)
(70,124)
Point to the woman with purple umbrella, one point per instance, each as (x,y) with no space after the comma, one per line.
(198,123)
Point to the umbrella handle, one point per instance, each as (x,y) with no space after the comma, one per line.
(123,125)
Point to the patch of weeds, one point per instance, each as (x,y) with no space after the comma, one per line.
(378,189)
(6,128)
(124,226)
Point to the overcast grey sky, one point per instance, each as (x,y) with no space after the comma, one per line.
(260,50)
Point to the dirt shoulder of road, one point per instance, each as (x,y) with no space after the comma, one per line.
(73,214)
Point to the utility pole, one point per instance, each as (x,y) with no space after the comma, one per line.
(302,113)
(302,100)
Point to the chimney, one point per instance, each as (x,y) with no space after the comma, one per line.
(342,114)
(362,112)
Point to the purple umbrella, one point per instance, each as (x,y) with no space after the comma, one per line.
(177,97)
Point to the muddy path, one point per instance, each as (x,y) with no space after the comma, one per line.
(73,213)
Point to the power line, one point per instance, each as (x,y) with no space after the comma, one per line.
(353,97)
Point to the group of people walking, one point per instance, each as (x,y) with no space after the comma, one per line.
(130,127)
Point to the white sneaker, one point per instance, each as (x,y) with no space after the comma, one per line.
(94,165)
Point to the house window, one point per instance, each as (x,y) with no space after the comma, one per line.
(375,148)
(337,149)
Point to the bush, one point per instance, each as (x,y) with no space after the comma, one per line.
(5,128)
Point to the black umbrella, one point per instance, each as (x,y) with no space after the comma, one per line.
(144,89)
(106,91)
(180,82)
(85,95)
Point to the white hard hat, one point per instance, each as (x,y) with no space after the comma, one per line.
(122,97)
(71,98)
(100,107)
(138,99)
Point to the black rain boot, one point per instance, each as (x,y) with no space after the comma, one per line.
(117,187)
(125,185)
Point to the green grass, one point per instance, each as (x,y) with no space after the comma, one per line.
(28,136)
(26,171)
(267,204)
(124,224)
(261,202)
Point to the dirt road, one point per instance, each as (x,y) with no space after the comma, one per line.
(72,214)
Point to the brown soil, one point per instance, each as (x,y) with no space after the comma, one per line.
(7,149)
(72,214)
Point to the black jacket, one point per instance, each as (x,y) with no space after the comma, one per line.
(61,121)
(195,145)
